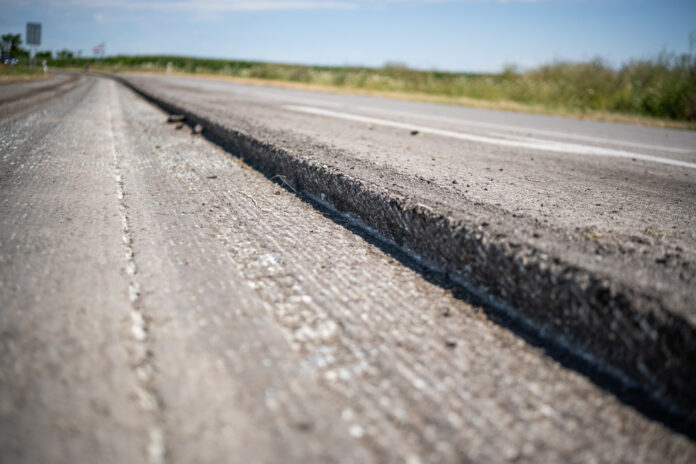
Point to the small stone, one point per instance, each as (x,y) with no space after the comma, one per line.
(176,118)
(347,414)
(304,426)
(356,431)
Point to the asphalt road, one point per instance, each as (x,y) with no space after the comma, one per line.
(18,99)
(161,301)
(585,229)
(617,179)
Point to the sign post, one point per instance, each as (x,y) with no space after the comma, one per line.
(33,38)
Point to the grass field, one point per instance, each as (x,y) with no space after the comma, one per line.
(661,91)
(19,73)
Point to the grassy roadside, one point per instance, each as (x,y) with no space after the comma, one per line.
(20,73)
(659,92)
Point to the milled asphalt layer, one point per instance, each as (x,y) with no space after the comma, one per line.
(160,301)
(594,251)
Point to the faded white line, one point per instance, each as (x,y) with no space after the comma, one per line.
(529,143)
(585,138)
(528,130)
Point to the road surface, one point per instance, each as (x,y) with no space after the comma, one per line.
(586,230)
(161,301)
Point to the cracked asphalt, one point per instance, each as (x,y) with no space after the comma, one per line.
(161,301)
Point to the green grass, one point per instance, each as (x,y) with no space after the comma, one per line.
(18,71)
(663,88)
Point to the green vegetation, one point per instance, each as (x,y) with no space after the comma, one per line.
(13,43)
(661,88)
(64,54)
(43,55)
(12,73)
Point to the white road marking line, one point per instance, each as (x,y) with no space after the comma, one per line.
(529,143)
(542,132)
(587,138)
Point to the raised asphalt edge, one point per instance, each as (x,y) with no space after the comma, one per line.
(624,331)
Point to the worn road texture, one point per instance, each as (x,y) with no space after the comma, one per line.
(161,301)
(587,231)
(20,98)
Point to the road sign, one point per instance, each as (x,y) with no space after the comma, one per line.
(33,33)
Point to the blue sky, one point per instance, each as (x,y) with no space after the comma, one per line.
(464,35)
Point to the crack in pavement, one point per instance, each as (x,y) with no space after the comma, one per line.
(148,398)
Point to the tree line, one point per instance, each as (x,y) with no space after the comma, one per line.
(12,46)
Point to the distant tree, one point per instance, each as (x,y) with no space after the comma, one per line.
(44,55)
(510,71)
(64,54)
(11,44)
(395,66)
